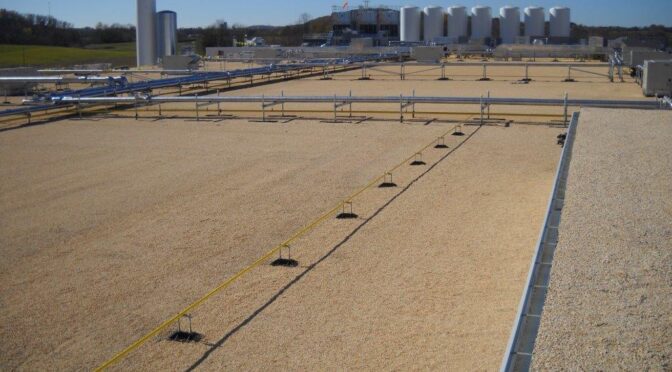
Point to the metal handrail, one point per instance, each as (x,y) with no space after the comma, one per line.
(148,99)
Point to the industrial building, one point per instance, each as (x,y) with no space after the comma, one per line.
(379,24)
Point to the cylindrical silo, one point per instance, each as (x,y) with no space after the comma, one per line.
(559,20)
(535,21)
(481,22)
(410,23)
(457,22)
(166,33)
(433,23)
(145,33)
(509,24)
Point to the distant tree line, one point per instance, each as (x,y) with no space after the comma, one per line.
(16,28)
(221,34)
(659,33)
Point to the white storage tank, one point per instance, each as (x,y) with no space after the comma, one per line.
(535,21)
(481,22)
(509,24)
(559,19)
(457,22)
(433,22)
(166,33)
(410,24)
(145,33)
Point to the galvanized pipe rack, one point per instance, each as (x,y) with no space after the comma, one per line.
(148,99)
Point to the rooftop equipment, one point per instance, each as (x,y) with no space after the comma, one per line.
(657,78)
(457,22)
(535,21)
(166,34)
(410,24)
(481,22)
(559,19)
(146,32)
(433,23)
(509,24)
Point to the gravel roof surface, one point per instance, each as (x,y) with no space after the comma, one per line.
(427,278)
(609,304)
(110,226)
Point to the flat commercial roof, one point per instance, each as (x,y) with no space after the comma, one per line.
(609,304)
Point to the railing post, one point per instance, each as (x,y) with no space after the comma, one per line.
(565,106)
(481,109)
(263,108)
(198,117)
(219,110)
(79,108)
(527,75)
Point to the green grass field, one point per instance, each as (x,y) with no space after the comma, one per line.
(49,56)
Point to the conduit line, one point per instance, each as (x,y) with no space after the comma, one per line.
(298,234)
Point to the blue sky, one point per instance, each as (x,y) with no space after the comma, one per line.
(254,12)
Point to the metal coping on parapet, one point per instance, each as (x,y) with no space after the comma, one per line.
(518,356)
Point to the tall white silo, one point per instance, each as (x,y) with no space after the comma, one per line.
(457,22)
(166,33)
(535,21)
(481,22)
(410,23)
(433,22)
(509,24)
(145,33)
(559,20)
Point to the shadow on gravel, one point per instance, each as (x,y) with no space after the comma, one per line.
(221,341)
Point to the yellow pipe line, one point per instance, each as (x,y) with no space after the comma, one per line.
(301,232)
